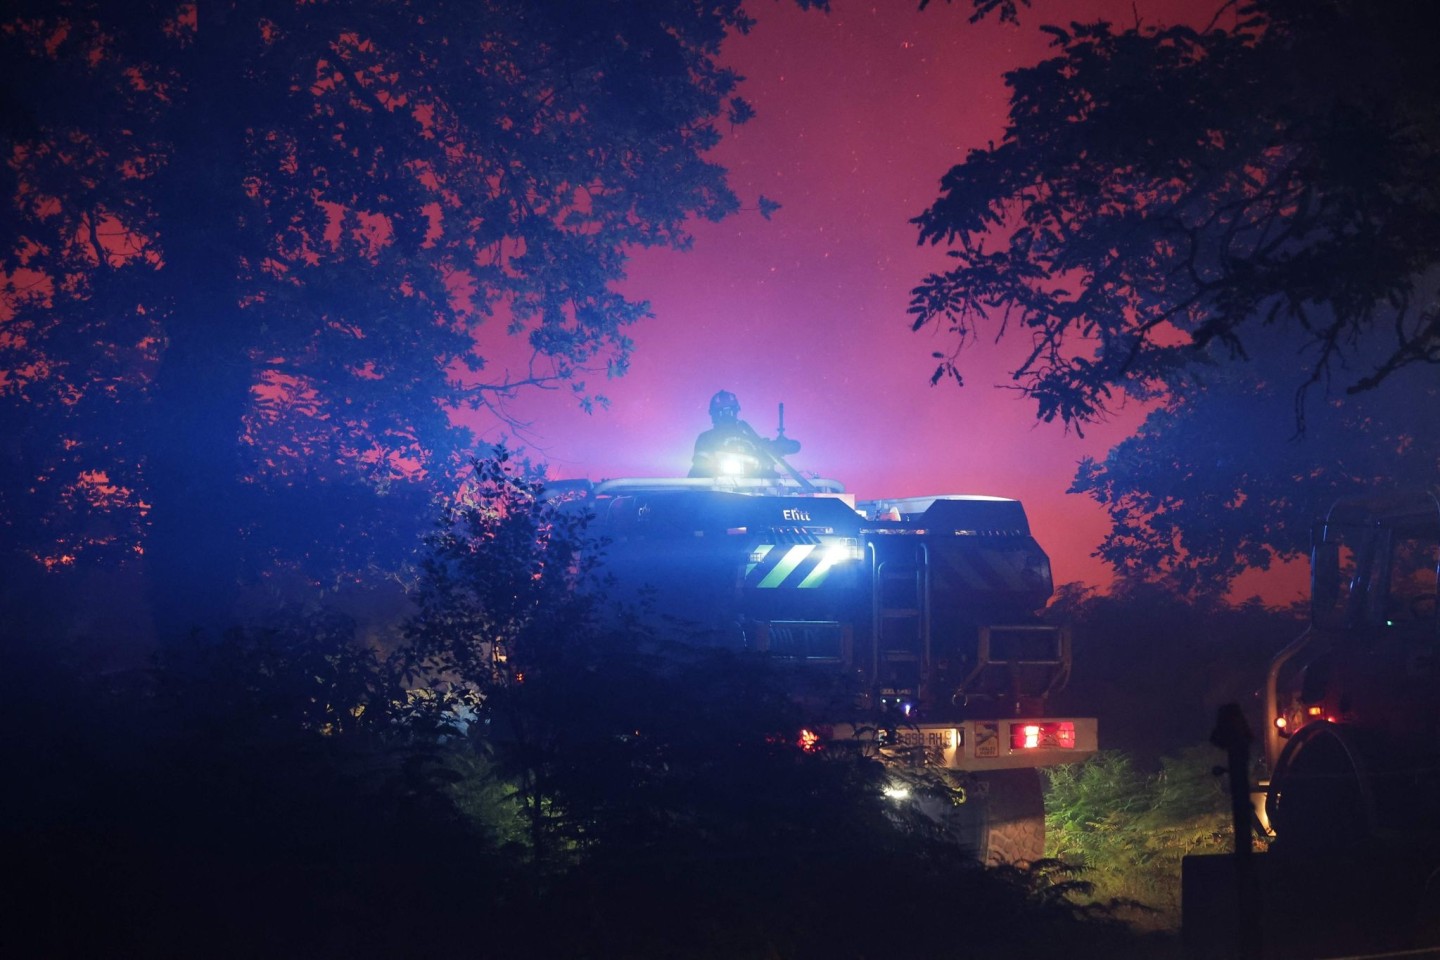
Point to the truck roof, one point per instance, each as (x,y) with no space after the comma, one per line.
(1402,508)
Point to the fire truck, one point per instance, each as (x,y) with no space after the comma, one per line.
(1352,745)
(910,625)
(1353,705)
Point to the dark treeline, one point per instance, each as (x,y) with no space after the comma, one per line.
(186,821)
(523,772)
(1154,665)
(282,792)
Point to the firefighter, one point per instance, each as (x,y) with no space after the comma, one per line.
(731,447)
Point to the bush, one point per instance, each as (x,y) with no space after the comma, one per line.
(271,793)
(1127,830)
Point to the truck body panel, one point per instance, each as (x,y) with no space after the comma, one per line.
(916,617)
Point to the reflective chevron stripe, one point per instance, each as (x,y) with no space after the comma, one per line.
(803,566)
(817,576)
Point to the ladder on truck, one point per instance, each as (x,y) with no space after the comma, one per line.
(900,618)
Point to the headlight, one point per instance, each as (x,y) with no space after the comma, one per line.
(842,551)
(897,791)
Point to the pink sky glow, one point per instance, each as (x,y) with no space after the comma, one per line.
(860,112)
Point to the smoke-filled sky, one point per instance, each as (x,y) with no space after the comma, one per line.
(860,112)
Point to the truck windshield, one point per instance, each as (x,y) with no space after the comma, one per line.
(1377,575)
(1402,581)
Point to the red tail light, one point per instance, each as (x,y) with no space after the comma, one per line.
(1050,735)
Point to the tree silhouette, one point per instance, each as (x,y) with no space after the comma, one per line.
(1162,193)
(255,253)
(672,808)
(618,739)
(1216,481)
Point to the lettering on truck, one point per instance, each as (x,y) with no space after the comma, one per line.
(796,515)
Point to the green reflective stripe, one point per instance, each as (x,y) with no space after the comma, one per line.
(818,575)
(759,554)
(787,563)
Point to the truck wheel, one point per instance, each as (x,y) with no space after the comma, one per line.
(1008,816)
(1318,798)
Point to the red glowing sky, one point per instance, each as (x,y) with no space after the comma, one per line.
(859,114)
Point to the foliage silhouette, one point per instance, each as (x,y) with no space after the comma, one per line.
(671,808)
(256,253)
(598,791)
(1153,664)
(616,738)
(1215,482)
(1162,193)
(235,801)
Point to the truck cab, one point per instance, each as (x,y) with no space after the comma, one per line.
(1353,742)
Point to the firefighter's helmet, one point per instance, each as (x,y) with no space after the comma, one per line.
(724,406)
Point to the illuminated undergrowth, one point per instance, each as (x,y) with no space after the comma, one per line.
(1128,829)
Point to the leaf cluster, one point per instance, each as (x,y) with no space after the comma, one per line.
(255,255)
(1216,481)
(500,583)
(1162,193)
